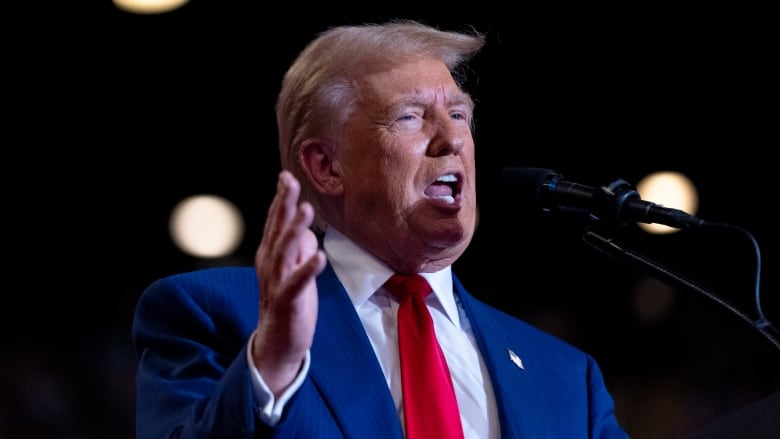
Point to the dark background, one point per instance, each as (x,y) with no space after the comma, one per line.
(126,115)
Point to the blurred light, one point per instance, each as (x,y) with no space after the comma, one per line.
(668,189)
(653,300)
(206,226)
(149,6)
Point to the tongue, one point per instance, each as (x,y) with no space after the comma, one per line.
(438,190)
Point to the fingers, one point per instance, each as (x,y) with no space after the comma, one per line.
(283,205)
(287,262)
(305,273)
(288,244)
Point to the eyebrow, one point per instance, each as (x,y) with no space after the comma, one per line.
(454,99)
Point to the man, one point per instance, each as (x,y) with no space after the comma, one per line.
(375,136)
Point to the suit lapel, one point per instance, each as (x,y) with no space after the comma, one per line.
(345,369)
(515,393)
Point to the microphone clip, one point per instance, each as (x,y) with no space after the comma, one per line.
(610,202)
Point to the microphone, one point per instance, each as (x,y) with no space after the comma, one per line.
(617,202)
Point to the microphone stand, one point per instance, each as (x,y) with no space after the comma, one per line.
(606,216)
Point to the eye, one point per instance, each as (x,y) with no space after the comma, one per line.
(461,117)
(409,122)
(460,113)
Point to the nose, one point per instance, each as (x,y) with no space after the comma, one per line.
(449,137)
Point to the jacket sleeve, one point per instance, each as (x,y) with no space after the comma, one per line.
(602,419)
(192,379)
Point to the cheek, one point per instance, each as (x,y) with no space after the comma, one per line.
(373,188)
(394,189)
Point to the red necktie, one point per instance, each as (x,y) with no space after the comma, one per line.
(430,407)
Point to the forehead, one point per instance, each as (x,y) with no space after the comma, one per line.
(426,78)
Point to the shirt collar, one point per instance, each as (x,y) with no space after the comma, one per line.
(362,274)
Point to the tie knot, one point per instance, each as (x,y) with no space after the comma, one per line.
(402,285)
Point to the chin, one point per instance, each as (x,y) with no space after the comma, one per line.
(451,236)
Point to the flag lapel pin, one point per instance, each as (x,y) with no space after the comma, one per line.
(515,359)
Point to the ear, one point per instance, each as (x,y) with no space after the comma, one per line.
(317,158)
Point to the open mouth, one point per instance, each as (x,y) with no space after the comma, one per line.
(446,188)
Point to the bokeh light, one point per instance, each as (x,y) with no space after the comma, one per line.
(149,6)
(206,226)
(668,189)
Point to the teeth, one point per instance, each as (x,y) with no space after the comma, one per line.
(449,199)
(448,179)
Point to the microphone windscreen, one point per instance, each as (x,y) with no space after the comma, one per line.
(527,184)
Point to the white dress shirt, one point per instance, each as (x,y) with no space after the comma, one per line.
(363,275)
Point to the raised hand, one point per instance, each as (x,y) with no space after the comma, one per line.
(287,263)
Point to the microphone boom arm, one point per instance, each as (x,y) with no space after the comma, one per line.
(611,248)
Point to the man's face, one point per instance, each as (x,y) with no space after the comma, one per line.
(407,157)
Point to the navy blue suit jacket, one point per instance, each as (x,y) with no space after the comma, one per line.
(191,331)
